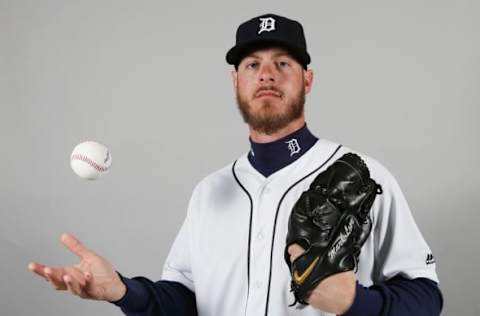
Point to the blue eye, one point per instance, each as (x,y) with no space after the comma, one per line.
(252,65)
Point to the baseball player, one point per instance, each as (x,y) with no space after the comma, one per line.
(229,255)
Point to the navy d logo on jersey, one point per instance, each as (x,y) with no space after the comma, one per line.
(267,25)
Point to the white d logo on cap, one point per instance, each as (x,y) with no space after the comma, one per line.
(267,25)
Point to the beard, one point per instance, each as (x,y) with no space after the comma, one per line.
(267,120)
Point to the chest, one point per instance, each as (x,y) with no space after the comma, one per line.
(238,250)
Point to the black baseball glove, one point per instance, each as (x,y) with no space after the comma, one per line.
(331,222)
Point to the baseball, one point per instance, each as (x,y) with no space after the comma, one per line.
(89,160)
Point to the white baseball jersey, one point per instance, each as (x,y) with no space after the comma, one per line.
(230,249)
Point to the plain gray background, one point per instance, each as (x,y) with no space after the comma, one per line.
(396,80)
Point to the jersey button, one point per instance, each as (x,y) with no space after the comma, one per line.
(258,284)
(260,236)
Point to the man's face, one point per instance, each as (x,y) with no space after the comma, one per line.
(271,87)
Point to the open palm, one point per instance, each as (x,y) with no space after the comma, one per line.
(92,278)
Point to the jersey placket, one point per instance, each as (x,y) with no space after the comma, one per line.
(262,230)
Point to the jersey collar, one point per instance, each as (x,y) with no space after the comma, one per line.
(268,158)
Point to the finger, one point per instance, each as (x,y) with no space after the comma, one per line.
(75,280)
(90,290)
(87,289)
(55,277)
(68,280)
(76,274)
(38,269)
(74,245)
(295,251)
(73,285)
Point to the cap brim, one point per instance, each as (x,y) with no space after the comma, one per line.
(236,53)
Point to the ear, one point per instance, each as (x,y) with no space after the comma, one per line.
(235,79)
(308,79)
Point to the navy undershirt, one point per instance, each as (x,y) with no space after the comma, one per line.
(267,158)
(398,296)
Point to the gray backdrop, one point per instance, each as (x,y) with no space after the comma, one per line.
(398,81)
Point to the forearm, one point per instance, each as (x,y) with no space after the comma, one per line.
(147,298)
(398,297)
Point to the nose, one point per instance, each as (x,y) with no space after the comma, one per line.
(267,73)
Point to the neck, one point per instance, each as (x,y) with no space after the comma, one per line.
(259,137)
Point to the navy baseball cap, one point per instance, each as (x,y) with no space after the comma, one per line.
(269,30)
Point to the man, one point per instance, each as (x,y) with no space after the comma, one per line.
(228,258)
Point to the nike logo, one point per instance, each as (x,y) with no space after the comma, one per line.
(299,279)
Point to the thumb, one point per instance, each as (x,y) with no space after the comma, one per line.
(295,251)
(74,245)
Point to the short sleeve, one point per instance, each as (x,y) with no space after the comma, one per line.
(178,267)
(400,248)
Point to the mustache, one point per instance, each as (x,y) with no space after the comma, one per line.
(269,89)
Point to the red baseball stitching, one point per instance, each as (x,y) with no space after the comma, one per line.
(89,161)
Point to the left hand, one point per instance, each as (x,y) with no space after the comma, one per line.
(334,294)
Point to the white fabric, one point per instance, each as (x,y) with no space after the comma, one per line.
(210,253)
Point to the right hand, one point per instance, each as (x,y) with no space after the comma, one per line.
(92,278)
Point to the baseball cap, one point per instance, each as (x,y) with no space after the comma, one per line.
(267,30)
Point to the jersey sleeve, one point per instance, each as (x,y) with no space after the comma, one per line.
(398,297)
(177,266)
(400,248)
(174,293)
(147,298)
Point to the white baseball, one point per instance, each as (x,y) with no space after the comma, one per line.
(89,160)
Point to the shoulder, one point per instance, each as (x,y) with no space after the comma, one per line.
(219,182)
(378,171)
(336,150)
(392,202)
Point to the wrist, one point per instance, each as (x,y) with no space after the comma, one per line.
(119,290)
(348,302)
